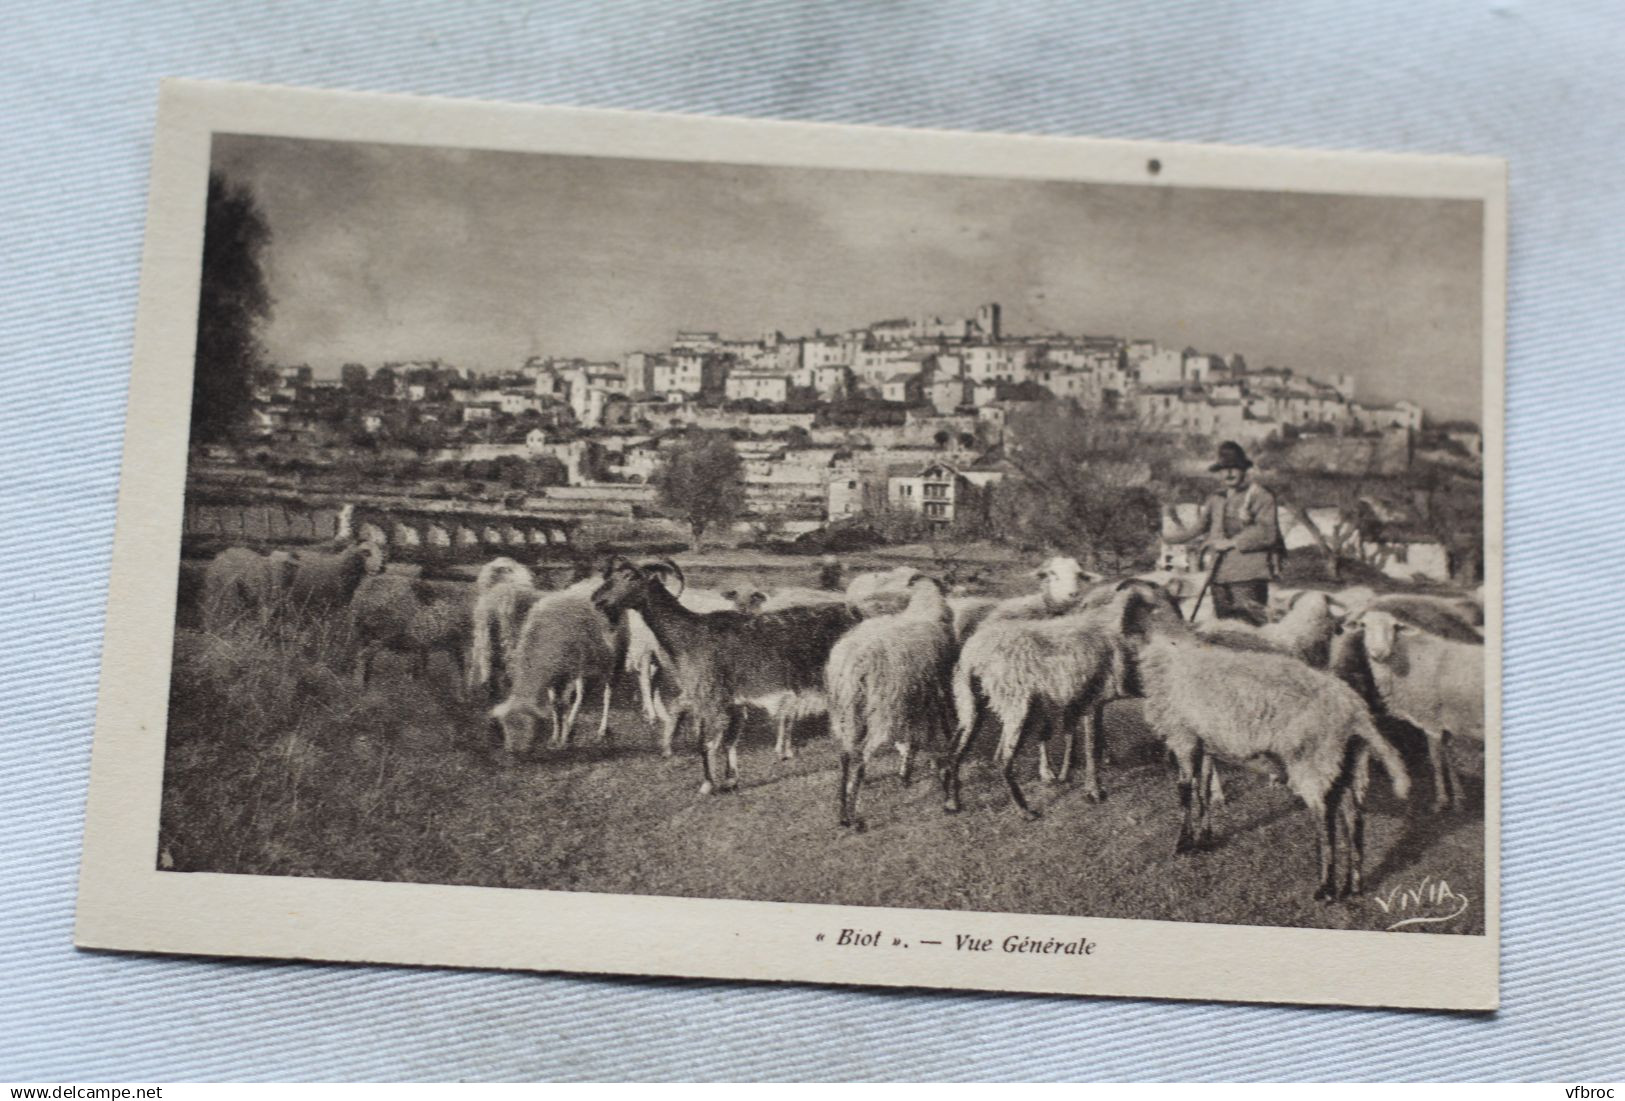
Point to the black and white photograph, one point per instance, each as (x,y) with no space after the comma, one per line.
(1062,550)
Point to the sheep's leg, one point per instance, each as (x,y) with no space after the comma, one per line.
(785,746)
(1009,746)
(854,783)
(1436,757)
(647,691)
(846,795)
(948,777)
(1449,768)
(1094,728)
(1090,719)
(950,768)
(1069,744)
(701,738)
(553,709)
(669,734)
(730,739)
(363,663)
(603,719)
(1103,750)
(1213,785)
(905,766)
(661,714)
(1187,755)
(1045,772)
(1352,821)
(1204,802)
(1326,814)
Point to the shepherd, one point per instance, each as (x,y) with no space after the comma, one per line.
(1239,525)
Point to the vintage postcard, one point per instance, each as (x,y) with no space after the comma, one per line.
(622,543)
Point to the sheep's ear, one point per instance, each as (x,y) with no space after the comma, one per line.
(1336,607)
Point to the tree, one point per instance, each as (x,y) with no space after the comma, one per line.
(702,481)
(354,377)
(1084,487)
(233,302)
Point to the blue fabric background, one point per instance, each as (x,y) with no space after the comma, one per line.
(1538,83)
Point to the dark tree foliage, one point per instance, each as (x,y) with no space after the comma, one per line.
(233,303)
(1083,487)
(702,481)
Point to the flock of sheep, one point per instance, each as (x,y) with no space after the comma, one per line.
(898,663)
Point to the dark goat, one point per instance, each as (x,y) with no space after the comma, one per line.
(722,660)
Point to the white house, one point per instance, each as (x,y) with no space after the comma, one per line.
(933,492)
(997,362)
(758,386)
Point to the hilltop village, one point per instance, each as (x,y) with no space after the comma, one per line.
(898,415)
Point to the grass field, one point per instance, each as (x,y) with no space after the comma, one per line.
(278,765)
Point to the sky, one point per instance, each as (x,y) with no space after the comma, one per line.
(388,252)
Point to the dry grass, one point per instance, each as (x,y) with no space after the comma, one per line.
(278,764)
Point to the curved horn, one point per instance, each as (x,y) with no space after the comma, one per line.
(677,572)
(664,568)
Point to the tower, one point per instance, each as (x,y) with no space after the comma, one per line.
(987,319)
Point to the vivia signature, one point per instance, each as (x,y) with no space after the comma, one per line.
(1430,902)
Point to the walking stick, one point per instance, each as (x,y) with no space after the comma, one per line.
(1207,583)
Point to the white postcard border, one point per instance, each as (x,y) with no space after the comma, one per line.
(126,903)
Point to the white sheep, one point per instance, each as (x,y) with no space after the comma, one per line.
(1042,675)
(876,593)
(239,582)
(886,683)
(324,581)
(1209,701)
(797,596)
(565,644)
(1305,631)
(880,592)
(1455,618)
(1433,683)
(408,615)
(504,590)
(503,569)
(1063,584)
